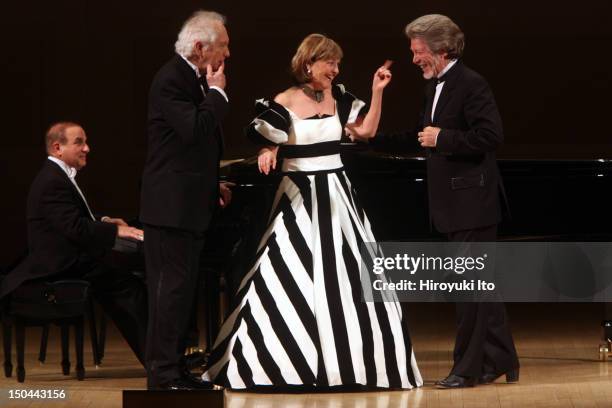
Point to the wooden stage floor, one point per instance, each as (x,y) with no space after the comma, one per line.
(557,344)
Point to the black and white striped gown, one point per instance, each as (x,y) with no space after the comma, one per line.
(300,319)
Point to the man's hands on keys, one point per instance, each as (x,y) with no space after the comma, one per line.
(225,193)
(428,137)
(215,78)
(125,231)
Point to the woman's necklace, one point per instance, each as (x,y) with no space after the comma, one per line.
(313,94)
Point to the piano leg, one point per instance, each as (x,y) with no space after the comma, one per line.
(605,349)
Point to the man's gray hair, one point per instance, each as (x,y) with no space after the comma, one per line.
(201,26)
(440,34)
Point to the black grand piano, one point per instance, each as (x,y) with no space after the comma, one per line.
(547,200)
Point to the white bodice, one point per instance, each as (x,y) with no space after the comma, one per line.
(311,131)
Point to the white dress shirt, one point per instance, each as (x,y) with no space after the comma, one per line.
(439,91)
(197,71)
(440,86)
(71,172)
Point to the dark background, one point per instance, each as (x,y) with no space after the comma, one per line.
(92,62)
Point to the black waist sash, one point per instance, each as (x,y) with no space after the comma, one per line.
(310,150)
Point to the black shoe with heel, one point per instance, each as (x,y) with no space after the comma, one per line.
(512,376)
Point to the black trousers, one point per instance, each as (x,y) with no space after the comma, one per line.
(172,261)
(484,342)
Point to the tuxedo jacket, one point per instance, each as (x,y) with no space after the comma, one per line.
(185,143)
(61,234)
(462,173)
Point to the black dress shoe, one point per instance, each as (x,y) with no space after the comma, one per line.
(512,376)
(197,382)
(175,385)
(456,381)
(186,383)
(195,360)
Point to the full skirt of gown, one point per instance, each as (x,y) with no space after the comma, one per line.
(301,319)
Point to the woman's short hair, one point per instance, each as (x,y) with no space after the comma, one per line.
(313,48)
(440,34)
(201,26)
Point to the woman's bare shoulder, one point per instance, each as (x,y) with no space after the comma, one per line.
(285,98)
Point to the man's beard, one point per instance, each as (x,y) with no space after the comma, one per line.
(434,71)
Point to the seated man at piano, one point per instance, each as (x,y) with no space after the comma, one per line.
(66,241)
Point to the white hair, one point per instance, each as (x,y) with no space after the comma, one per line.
(201,26)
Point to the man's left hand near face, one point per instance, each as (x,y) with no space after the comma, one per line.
(429,136)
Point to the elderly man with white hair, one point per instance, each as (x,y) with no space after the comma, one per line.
(180,188)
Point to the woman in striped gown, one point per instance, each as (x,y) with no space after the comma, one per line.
(300,319)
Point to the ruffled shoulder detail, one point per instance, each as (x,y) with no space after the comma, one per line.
(349,106)
(271,125)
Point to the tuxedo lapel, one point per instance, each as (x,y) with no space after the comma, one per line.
(430,92)
(190,78)
(60,174)
(450,81)
(445,95)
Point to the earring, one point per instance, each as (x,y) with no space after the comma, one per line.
(308,70)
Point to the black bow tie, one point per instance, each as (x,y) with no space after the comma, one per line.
(202,80)
(440,80)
